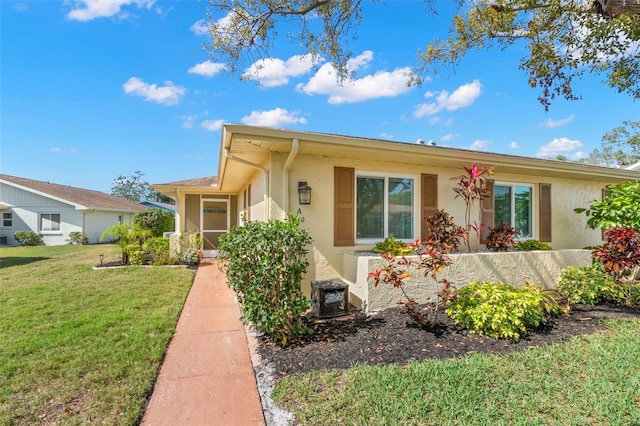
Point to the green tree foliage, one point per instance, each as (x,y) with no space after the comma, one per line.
(562,39)
(264,263)
(134,188)
(157,221)
(620,146)
(619,208)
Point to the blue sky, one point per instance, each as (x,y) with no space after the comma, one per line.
(93,89)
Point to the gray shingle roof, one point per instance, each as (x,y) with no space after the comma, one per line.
(203,181)
(84,197)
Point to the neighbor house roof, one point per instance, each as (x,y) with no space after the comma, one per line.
(82,199)
(202,181)
(158,205)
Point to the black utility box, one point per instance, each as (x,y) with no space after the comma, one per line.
(329,298)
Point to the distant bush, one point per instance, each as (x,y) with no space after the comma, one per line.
(392,246)
(77,239)
(529,245)
(501,237)
(158,221)
(29,238)
(157,249)
(502,311)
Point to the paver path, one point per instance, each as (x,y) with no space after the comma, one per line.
(207,377)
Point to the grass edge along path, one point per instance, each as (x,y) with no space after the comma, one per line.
(587,380)
(82,346)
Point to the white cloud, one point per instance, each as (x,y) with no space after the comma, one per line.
(207,68)
(57,150)
(200,27)
(212,125)
(514,145)
(479,145)
(449,137)
(86,10)
(558,146)
(274,118)
(273,72)
(386,136)
(20,7)
(462,97)
(579,155)
(552,124)
(169,94)
(378,85)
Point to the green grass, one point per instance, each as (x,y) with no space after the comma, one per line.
(77,345)
(590,380)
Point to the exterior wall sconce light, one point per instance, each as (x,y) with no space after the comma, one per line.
(304,193)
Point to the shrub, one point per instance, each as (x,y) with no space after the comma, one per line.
(265,263)
(29,238)
(499,310)
(620,257)
(443,233)
(136,255)
(501,237)
(190,256)
(589,285)
(77,239)
(392,246)
(157,249)
(127,235)
(529,245)
(157,221)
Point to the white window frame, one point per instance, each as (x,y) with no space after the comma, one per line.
(386,176)
(50,231)
(4,220)
(534,206)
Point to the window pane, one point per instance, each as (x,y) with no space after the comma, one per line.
(370,207)
(400,208)
(49,222)
(523,211)
(7,219)
(502,205)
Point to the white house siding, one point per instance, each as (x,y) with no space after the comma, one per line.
(95,222)
(326,261)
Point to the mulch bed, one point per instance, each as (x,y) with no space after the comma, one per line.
(389,337)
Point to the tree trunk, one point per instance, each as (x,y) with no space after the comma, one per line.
(619,7)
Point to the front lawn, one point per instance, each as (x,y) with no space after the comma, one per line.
(78,345)
(589,380)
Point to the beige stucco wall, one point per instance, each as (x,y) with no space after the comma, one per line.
(541,268)
(569,228)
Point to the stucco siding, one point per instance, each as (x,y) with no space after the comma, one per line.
(569,229)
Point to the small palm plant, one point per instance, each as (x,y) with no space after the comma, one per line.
(126,235)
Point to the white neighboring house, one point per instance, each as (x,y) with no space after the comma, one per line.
(56,210)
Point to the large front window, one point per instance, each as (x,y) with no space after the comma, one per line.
(513,205)
(384,207)
(49,222)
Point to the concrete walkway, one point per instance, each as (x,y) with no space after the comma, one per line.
(207,377)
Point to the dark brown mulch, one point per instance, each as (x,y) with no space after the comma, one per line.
(389,337)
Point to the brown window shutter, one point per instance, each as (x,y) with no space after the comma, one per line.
(428,200)
(344,206)
(487,209)
(545,213)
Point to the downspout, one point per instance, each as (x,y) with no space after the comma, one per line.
(267,195)
(285,175)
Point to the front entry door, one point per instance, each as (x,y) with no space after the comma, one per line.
(214,222)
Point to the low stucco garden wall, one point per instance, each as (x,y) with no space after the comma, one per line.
(516,268)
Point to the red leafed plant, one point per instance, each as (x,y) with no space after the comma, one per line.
(472,187)
(620,256)
(396,271)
